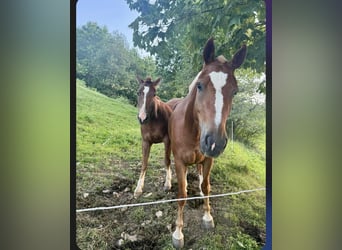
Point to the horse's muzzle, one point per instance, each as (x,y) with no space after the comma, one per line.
(212,146)
(142,121)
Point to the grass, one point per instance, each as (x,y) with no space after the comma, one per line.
(108,161)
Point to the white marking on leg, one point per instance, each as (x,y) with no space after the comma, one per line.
(186,181)
(167,184)
(200,176)
(219,80)
(207,216)
(140,185)
(177,234)
(142,112)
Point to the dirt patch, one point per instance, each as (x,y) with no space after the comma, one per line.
(139,245)
(255,232)
(141,228)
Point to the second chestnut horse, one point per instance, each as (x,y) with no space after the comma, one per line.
(153,116)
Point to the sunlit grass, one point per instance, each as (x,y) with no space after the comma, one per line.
(109,146)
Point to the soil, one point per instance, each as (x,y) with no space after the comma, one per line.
(139,227)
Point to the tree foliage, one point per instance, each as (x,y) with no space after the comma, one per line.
(248,111)
(105,62)
(175,32)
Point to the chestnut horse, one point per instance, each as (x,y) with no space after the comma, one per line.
(173,103)
(153,117)
(197,126)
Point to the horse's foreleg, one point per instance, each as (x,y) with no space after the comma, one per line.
(208,220)
(200,177)
(177,236)
(167,145)
(146,146)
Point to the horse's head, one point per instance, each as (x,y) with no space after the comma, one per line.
(216,86)
(146,100)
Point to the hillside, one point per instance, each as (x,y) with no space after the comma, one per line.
(108,161)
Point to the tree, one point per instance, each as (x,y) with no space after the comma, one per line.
(105,62)
(248,111)
(175,31)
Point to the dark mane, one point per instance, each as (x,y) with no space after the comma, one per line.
(161,109)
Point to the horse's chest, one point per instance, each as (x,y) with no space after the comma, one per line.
(153,137)
(192,157)
(188,154)
(154,134)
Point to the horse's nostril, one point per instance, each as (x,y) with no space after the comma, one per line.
(208,140)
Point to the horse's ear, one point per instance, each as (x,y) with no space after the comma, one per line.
(239,57)
(156,82)
(209,51)
(140,81)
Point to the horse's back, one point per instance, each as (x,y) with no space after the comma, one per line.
(173,103)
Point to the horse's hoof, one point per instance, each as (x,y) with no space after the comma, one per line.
(177,243)
(137,194)
(208,224)
(167,188)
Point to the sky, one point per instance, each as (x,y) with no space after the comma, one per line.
(114,14)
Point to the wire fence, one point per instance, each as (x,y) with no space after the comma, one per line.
(166,201)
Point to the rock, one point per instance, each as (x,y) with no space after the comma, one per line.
(120,242)
(126,236)
(148,195)
(85,195)
(127,189)
(146,223)
(116,194)
(105,191)
(159,214)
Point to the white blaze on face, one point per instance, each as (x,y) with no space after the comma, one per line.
(219,80)
(142,112)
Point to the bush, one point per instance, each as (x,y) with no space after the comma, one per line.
(248,111)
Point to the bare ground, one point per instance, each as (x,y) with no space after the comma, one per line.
(139,227)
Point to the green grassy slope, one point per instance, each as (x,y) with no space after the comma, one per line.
(105,127)
(109,152)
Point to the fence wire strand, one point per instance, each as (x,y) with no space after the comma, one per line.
(166,201)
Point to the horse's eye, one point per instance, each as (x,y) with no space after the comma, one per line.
(199,86)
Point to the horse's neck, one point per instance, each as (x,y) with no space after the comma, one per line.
(191,119)
(159,111)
